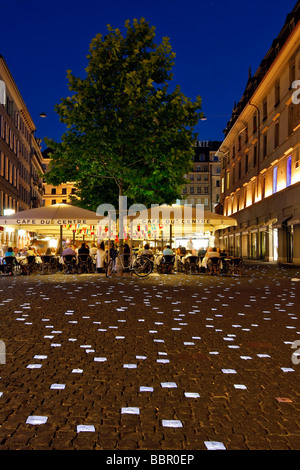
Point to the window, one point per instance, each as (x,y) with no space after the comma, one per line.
(64,201)
(297,157)
(292,73)
(275,179)
(64,191)
(233,151)
(289,171)
(276,135)
(265,109)
(73,191)
(277,94)
(240,170)
(265,146)
(263,186)
(53,201)
(227,180)
(254,155)
(192,190)
(290,119)
(246,163)
(246,134)
(254,123)
(222,185)
(199,189)
(53,190)
(191,177)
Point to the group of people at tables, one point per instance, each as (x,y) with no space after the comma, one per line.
(98,254)
(182,254)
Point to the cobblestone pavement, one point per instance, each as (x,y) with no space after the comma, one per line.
(171,362)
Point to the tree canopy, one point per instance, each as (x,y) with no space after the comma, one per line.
(126,132)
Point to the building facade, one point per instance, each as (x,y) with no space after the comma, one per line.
(20,153)
(60,194)
(260,174)
(203,182)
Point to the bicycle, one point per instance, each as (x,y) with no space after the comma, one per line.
(141,266)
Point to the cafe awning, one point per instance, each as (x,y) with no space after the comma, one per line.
(183,219)
(53,215)
(53,220)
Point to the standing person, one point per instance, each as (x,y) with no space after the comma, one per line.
(101,256)
(93,250)
(189,245)
(126,254)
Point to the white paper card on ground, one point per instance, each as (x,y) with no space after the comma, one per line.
(85,428)
(146,389)
(131,410)
(57,386)
(172,423)
(36,419)
(214,445)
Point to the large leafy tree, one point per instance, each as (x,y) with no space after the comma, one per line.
(126,132)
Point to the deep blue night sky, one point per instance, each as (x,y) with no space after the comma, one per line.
(215,42)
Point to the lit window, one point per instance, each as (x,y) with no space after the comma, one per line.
(275,179)
(289,171)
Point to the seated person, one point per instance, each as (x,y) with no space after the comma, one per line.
(30,251)
(10,252)
(214,253)
(168,251)
(69,251)
(84,249)
(201,252)
(146,251)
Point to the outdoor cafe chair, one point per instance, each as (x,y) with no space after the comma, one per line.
(166,264)
(236,265)
(47,263)
(69,264)
(214,265)
(9,265)
(191,264)
(85,264)
(28,265)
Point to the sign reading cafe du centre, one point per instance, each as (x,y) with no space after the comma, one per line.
(50,221)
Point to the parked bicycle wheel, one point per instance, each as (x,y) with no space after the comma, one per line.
(142,266)
(110,268)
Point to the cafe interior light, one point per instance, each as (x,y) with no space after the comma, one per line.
(8,211)
(53,243)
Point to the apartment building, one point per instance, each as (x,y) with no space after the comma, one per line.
(56,194)
(20,152)
(203,182)
(260,174)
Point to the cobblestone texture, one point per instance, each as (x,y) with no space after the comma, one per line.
(181,329)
